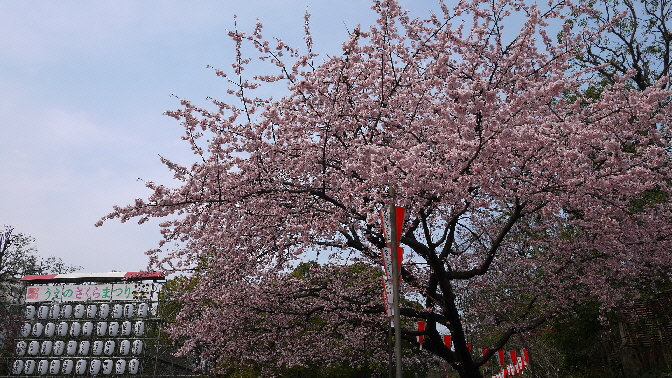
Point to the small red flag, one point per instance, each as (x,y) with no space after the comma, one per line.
(446,340)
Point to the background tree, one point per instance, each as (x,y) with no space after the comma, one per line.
(636,42)
(18,257)
(308,315)
(517,186)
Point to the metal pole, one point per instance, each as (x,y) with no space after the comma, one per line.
(395,283)
(390,352)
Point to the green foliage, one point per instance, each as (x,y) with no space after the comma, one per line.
(648,198)
(302,271)
(339,371)
(169,304)
(658,373)
(588,347)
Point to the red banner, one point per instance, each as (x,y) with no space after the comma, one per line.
(387,224)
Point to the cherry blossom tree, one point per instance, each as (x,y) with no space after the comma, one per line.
(285,321)
(518,188)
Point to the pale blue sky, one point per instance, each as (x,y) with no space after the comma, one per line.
(84,85)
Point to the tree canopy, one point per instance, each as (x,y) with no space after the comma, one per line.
(18,257)
(523,194)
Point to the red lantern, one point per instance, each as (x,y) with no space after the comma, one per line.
(421,327)
(483,352)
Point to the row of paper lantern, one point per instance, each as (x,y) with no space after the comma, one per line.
(83,348)
(76,329)
(91,311)
(517,365)
(68,367)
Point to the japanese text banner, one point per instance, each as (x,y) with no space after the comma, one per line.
(75,293)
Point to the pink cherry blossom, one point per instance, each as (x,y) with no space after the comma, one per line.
(523,196)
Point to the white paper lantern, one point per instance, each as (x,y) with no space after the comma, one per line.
(113,329)
(68,365)
(109,347)
(126,328)
(120,367)
(43,367)
(37,329)
(125,347)
(87,329)
(75,329)
(49,329)
(62,329)
(30,315)
(33,348)
(59,347)
(104,311)
(55,311)
(21,349)
(29,367)
(128,310)
(101,328)
(84,347)
(46,347)
(91,311)
(134,366)
(79,311)
(94,369)
(118,311)
(139,328)
(143,310)
(66,311)
(43,312)
(108,365)
(97,348)
(137,347)
(80,368)
(25,330)
(55,367)
(17,368)
(71,348)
